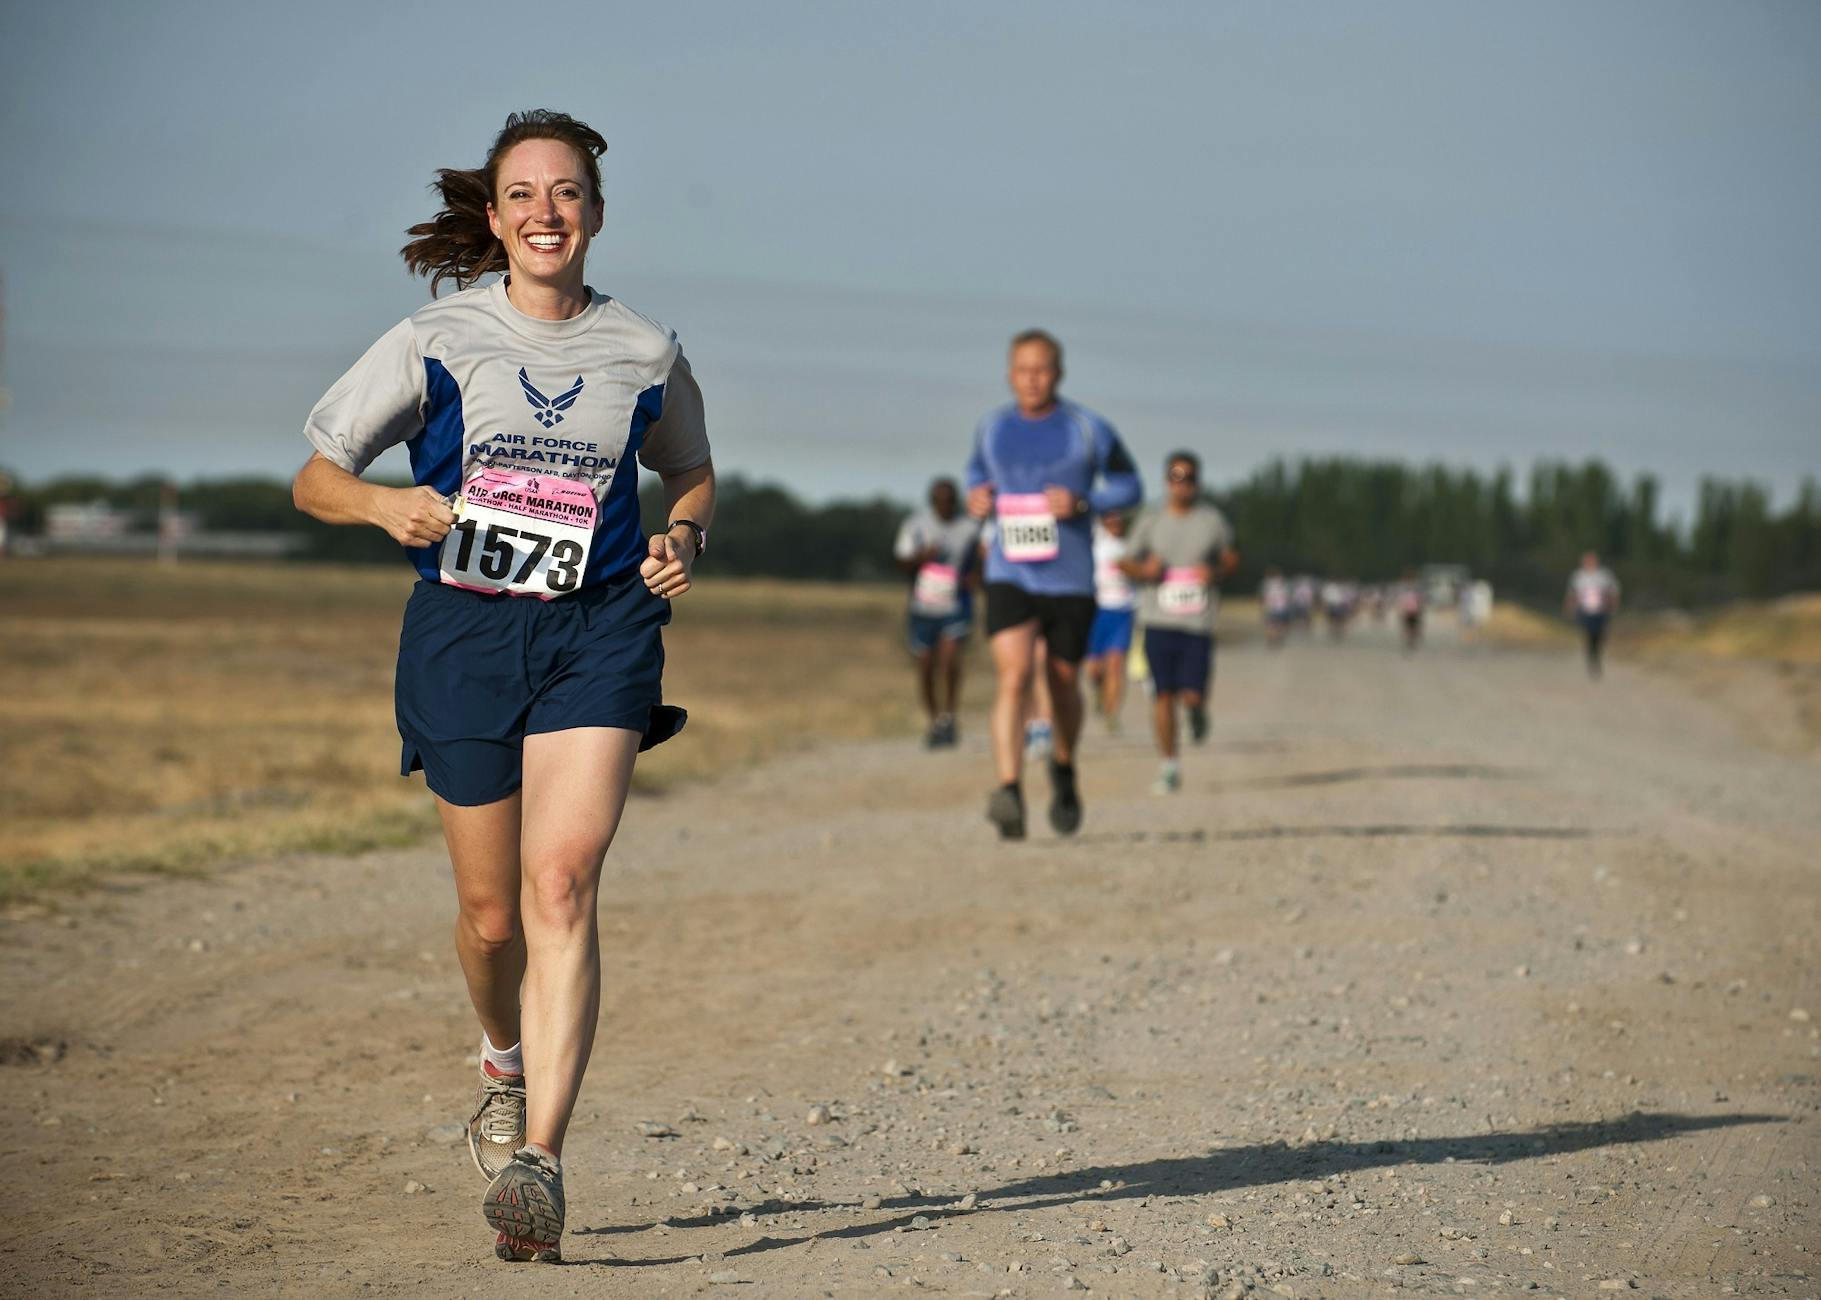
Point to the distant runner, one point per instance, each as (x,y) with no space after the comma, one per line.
(1338,601)
(1180,551)
(1303,599)
(1115,611)
(939,548)
(531,658)
(1592,598)
(1409,600)
(1042,466)
(1274,600)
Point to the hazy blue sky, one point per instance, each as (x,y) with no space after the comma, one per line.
(1460,230)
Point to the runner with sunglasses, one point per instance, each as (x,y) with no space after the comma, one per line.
(1180,552)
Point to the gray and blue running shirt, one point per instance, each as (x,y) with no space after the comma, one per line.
(470,382)
(957,545)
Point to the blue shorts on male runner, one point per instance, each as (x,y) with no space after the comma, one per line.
(478,672)
(922,631)
(1111,632)
(1179,661)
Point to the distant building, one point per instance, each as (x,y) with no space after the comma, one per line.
(84,522)
(97,528)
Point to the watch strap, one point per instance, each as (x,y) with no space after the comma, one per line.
(696,530)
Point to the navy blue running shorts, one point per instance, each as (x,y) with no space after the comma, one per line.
(479,671)
(1180,661)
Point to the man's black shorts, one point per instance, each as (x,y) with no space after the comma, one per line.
(1064,621)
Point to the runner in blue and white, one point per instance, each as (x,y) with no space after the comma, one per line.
(1115,616)
(531,658)
(1042,468)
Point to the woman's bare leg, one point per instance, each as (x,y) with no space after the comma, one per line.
(574,792)
(483,848)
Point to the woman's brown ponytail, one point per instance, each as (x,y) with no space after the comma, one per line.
(458,244)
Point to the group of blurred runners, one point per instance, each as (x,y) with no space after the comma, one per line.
(1069,567)
(1053,530)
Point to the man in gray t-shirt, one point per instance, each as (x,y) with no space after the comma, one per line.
(1179,552)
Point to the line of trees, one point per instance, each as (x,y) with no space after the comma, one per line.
(1373,519)
(1338,516)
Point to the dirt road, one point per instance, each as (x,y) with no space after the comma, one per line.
(1453,974)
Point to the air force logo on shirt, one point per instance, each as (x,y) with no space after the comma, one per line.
(548,411)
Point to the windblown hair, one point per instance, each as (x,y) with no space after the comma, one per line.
(457,244)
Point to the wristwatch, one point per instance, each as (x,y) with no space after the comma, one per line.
(700,533)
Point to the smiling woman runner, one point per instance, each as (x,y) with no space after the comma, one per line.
(530,660)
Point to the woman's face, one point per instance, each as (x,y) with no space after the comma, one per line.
(543,213)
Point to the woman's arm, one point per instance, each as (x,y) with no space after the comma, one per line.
(413,516)
(672,553)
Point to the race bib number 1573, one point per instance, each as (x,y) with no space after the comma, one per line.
(523,534)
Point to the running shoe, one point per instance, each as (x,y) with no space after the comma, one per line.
(943,733)
(1169,780)
(1006,811)
(524,1204)
(497,1127)
(1065,800)
(1198,723)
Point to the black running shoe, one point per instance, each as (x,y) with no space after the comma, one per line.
(1006,811)
(1198,723)
(1065,800)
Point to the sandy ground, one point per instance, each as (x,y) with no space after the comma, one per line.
(1449,974)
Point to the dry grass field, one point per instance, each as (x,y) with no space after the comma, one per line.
(164,719)
(1763,658)
(1785,631)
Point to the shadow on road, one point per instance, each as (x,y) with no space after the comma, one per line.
(1383,772)
(1225,1170)
(1381,830)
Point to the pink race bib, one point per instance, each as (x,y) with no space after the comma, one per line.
(1182,593)
(1027,528)
(937,592)
(523,534)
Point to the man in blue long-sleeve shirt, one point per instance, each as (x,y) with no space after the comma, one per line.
(1042,468)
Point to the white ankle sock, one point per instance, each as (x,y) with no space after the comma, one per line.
(509,1060)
